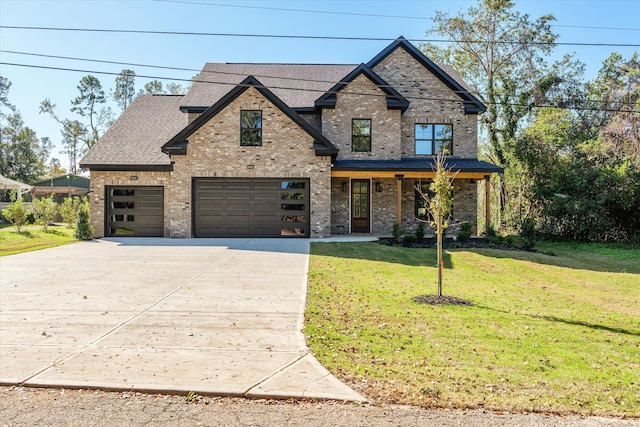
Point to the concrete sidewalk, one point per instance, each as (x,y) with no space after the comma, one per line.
(212,316)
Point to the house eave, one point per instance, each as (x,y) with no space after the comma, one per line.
(121,167)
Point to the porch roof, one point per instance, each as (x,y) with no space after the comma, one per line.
(410,167)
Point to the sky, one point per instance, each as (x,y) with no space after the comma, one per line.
(236,23)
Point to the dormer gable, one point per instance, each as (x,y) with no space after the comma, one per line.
(178,144)
(395,101)
(472,105)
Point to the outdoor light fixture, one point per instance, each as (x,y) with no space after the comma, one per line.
(378,187)
(344,187)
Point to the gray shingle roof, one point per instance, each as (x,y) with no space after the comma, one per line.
(298,85)
(139,133)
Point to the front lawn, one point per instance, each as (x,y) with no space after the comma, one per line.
(32,238)
(558,334)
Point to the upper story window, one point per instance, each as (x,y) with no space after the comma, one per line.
(251,127)
(432,139)
(361,135)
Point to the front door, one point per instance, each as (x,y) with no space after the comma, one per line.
(360,205)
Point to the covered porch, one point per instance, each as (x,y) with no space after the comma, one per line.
(368,197)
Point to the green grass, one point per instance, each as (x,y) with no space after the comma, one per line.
(33,238)
(556,334)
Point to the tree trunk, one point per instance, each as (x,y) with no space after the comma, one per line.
(440,261)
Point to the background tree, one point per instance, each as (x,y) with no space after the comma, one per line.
(125,90)
(502,54)
(154,86)
(582,164)
(87,105)
(23,156)
(5,105)
(176,89)
(74,135)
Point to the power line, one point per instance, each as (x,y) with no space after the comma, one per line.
(217,72)
(300,37)
(459,101)
(369,15)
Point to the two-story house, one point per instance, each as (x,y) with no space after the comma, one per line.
(269,150)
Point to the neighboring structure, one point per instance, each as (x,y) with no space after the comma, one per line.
(8,184)
(265,150)
(63,186)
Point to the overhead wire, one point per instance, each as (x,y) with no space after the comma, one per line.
(302,37)
(368,15)
(234,84)
(219,72)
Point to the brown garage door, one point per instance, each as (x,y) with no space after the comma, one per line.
(135,211)
(237,207)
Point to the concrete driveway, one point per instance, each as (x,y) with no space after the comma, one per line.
(213,316)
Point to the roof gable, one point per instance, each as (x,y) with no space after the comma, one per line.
(297,85)
(472,104)
(394,99)
(178,144)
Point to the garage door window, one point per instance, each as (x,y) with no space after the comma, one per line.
(135,211)
(246,207)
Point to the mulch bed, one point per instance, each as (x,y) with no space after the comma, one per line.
(480,243)
(441,300)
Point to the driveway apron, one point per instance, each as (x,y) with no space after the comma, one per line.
(212,316)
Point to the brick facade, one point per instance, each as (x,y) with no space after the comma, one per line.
(214,150)
(430,103)
(102,179)
(361,99)
(291,141)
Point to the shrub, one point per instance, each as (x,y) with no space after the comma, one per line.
(409,240)
(528,228)
(397,232)
(420,231)
(44,211)
(69,211)
(84,230)
(465,232)
(17,212)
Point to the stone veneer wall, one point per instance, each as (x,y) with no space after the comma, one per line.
(426,93)
(361,99)
(214,151)
(100,179)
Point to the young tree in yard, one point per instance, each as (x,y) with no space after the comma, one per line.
(439,205)
(44,211)
(84,230)
(69,211)
(16,213)
(125,88)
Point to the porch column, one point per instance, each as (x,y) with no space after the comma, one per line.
(487,203)
(399,179)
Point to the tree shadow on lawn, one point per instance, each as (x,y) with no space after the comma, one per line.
(570,322)
(373,251)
